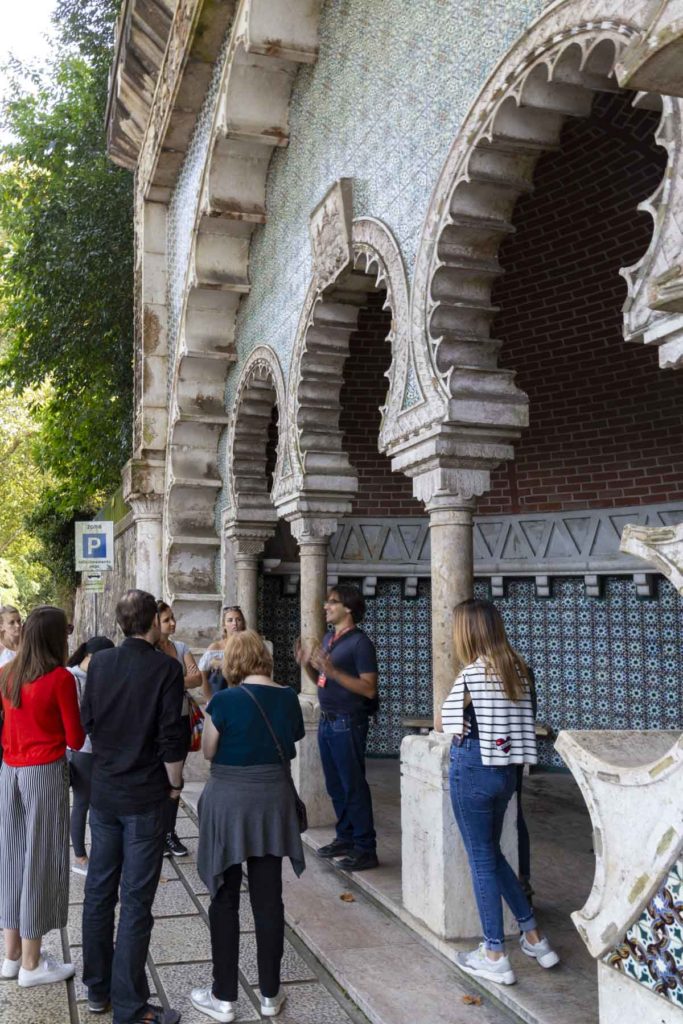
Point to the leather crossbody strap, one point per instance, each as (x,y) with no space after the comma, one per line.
(280,753)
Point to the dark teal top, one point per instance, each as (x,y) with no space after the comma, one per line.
(244,736)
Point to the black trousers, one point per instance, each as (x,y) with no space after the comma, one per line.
(80,773)
(265,893)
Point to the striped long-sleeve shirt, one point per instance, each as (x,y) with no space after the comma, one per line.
(506,727)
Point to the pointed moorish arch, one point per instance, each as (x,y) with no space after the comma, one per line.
(449,383)
(260,392)
(315,475)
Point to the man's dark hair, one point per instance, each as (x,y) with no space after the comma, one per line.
(136,612)
(351,598)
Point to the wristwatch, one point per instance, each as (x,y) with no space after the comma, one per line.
(178,788)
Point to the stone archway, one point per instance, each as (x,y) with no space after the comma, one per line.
(251,517)
(317,477)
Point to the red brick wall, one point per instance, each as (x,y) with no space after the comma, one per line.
(380,492)
(606,424)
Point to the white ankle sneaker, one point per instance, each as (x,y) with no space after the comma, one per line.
(47,972)
(10,968)
(271,1005)
(479,965)
(205,1001)
(541,951)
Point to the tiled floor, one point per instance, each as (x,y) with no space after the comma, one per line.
(179,960)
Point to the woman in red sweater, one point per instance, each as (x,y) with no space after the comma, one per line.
(41,717)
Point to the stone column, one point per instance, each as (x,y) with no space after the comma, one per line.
(312,535)
(143,488)
(452,566)
(246,573)
(436,880)
(248,540)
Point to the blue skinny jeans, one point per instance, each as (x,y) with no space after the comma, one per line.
(480,795)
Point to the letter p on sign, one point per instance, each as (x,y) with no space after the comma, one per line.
(94,545)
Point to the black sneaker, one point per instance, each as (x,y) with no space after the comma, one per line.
(359,860)
(337,848)
(174,847)
(98,1005)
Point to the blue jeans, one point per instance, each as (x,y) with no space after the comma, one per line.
(126,849)
(480,796)
(342,752)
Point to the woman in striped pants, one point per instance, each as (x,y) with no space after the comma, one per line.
(41,717)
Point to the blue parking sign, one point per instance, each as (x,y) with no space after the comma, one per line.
(94,545)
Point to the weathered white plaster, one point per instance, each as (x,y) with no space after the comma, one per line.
(632,783)
(622,999)
(437,885)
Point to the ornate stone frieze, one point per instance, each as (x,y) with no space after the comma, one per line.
(330,232)
(582,543)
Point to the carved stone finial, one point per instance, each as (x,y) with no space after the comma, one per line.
(661,546)
(330,230)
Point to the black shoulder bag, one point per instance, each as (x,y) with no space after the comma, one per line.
(298,802)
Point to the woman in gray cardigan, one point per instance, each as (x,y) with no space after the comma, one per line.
(247,812)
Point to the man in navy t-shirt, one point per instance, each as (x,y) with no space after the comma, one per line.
(345,669)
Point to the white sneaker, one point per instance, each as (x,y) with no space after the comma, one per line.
(478,964)
(541,951)
(10,968)
(205,1001)
(48,971)
(271,1005)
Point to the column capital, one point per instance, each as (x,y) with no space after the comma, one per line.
(248,538)
(143,487)
(450,486)
(315,530)
(450,509)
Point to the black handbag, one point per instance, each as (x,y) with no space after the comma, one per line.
(301,813)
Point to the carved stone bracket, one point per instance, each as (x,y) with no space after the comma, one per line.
(330,231)
(143,487)
(661,546)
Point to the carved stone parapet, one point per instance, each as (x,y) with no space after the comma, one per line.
(330,232)
(661,546)
(632,783)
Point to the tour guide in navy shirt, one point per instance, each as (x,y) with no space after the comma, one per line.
(345,669)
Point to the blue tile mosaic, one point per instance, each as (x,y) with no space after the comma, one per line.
(652,950)
(609,663)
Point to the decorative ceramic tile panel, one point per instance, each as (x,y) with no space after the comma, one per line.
(610,663)
(652,950)
(382,105)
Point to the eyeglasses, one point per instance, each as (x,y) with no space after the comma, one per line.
(332,600)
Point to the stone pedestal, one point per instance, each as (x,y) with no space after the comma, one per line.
(437,886)
(307,770)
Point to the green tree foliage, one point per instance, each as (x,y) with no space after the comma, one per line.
(66,268)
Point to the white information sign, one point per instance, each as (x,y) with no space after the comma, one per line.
(94,545)
(92,582)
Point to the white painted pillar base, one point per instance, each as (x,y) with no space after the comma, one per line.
(307,769)
(437,886)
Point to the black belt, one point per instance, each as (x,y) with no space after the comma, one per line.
(332,716)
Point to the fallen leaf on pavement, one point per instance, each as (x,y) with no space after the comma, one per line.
(348,897)
(472,1000)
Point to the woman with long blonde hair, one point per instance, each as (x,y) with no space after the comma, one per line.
(489,714)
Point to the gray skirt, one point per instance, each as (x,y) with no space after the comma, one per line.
(246,812)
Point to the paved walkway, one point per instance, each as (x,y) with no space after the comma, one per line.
(180,959)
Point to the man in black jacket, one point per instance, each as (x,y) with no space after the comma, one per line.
(132,711)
